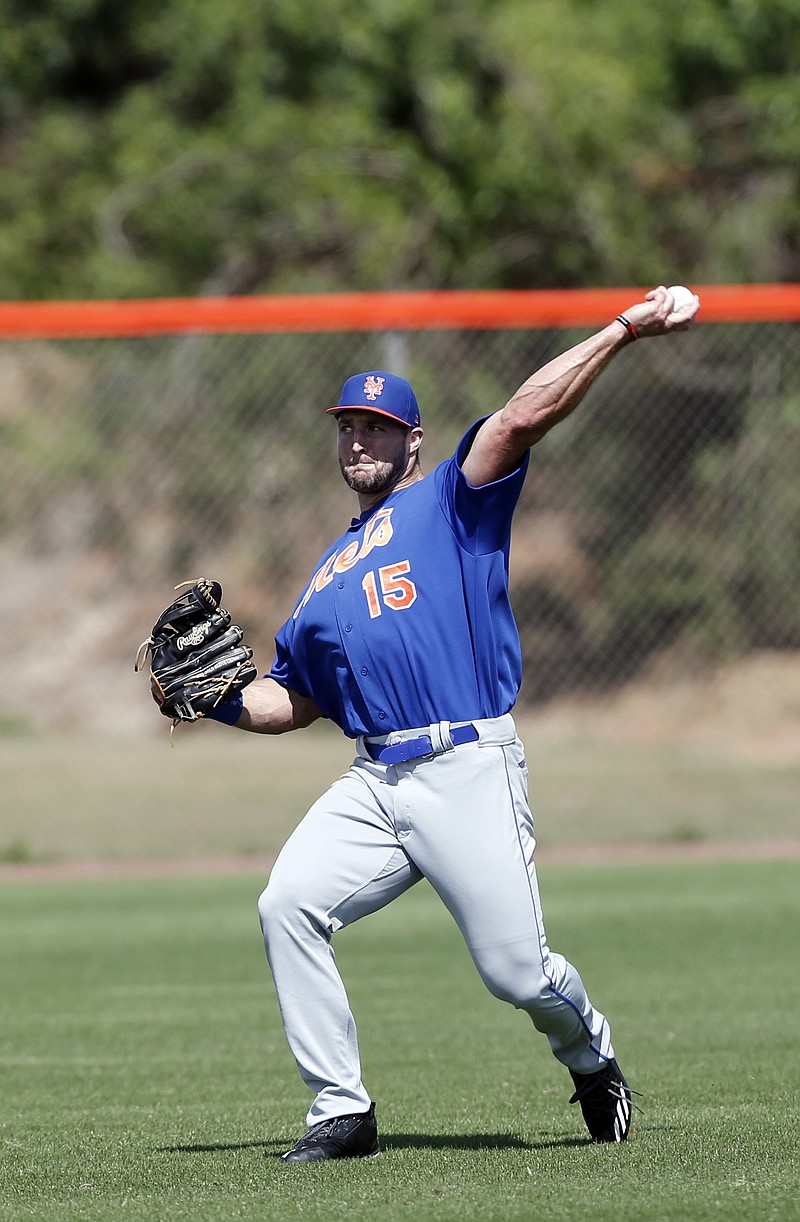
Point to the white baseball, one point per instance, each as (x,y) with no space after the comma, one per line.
(681,296)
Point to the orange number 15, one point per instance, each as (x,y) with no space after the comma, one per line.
(396,589)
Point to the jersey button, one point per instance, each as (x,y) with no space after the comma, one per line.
(381,716)
(348,627)
(339,585)
(364,670)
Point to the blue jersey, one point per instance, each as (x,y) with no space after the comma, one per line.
(407,619)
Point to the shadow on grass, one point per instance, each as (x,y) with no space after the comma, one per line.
(471,1141)
(217,1147)
(398,1141)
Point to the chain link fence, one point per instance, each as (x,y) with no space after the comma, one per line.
(659,525)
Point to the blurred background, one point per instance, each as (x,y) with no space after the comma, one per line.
(190,149)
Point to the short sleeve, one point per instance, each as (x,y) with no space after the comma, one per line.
(283,669)
(480,517)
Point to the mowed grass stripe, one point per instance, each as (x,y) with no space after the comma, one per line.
(145,1074)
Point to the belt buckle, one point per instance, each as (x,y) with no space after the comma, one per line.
(407,749)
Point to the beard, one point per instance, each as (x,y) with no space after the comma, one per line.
(375,477)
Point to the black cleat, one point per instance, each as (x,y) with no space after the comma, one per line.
(354,1136)
(606,1102)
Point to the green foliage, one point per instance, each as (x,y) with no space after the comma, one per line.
(684,469)
(193,147)
(675,482)
(754,548)
(16,853)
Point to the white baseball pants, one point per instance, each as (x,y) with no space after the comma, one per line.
(460,819)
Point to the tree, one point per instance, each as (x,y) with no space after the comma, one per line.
(191,147)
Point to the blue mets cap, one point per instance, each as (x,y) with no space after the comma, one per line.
(383,393)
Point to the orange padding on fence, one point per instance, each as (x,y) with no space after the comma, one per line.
(376,311)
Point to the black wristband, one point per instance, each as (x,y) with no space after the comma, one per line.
(628,325)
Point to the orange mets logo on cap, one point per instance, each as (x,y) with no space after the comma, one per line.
(380,392)
(373,387)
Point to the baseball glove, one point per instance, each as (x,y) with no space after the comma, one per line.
(196,656)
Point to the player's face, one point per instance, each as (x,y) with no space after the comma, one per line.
(374,452)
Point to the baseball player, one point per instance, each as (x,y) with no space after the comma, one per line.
(404,637)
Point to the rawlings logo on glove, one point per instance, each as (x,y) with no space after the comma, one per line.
(197,660)
(196,637)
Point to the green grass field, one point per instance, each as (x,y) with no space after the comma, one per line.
(217,792)
(145,1074)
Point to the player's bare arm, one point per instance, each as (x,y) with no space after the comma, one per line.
(556,390)
(269,708)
